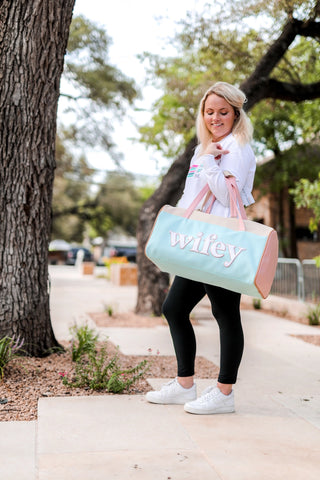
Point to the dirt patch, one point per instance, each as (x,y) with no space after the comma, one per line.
(314,339)
(285,315)
(129,319)
(28,379)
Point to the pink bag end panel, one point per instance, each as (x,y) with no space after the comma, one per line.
(268,265)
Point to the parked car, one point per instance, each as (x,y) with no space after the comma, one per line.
(119,251)
(73,252)
(58,251)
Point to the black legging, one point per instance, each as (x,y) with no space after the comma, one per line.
(182,298)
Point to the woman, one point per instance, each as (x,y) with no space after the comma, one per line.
(224,132)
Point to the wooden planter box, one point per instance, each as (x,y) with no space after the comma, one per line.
(88,268)
(124,274)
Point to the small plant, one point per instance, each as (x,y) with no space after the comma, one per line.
(94,368)
(256,303)
(97,371)
(83,342)
(9,349)
(109,310)
(59,350)
(314,315)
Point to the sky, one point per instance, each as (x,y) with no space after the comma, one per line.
(135,27)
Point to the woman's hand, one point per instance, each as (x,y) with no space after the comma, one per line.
(216,150)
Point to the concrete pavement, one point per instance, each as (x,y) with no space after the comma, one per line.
(274,434)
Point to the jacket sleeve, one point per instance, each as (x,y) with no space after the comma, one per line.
(181,201)
(239,162)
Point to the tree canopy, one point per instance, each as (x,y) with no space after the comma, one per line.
(94,90)
(83,206)
(227,43)
(98,92)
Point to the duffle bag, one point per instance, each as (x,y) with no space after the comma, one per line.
(233,253)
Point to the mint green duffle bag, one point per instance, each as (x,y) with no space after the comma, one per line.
(233,253)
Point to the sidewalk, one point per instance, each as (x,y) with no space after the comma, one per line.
(274,434)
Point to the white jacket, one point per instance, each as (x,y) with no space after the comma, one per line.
(240,162)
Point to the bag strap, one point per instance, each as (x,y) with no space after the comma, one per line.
(210,204)
(236,205)
(197,200)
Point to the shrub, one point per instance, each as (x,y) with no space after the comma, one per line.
(9,349)
(314,315)
(95,368)
(256,303)
(84,341)
(109,310)
(97,371)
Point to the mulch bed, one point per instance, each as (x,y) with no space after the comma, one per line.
(27,379)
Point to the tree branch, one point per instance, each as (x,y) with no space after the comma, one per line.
(292,92)
(272,88)
(316,11)
(309,29)
(277,50)
(274,54)
(74,210)
(71,97)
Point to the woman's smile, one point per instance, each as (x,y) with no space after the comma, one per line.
(219,117)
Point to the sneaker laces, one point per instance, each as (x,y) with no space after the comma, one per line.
(207,390)
(209,393)
(167,385)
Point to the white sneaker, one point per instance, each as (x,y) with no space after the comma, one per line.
(211,401)
(172,393)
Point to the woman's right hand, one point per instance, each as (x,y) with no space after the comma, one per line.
(216,150)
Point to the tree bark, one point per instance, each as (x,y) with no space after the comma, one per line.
(152,285)
(33,41)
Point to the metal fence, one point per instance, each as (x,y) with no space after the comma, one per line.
(311,278)
(295,279)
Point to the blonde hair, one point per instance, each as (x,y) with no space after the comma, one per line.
(242,128)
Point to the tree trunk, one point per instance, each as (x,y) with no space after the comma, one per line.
(33,41)
(153,284)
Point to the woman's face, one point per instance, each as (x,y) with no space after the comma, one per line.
(219,117)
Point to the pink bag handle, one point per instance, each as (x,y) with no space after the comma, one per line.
(197,200)
(236,205)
